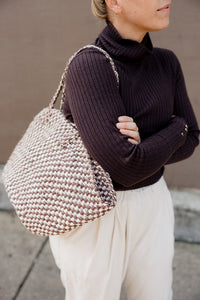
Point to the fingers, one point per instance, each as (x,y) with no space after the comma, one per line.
(133,141)
(131,133)
(125,119)
(127,125)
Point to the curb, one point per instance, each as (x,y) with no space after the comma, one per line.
(186,203)
(187,214)
(4,201)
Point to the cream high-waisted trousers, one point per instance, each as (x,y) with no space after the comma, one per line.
(131,244)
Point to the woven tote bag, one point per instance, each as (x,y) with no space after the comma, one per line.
(50,178)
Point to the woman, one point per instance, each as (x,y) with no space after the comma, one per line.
(133,131)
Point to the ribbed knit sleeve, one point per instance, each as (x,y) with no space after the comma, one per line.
(183,108)
(96,104)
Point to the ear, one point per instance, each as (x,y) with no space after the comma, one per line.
(114,6)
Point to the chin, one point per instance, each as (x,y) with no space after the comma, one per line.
(160,26)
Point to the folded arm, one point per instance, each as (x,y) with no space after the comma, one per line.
(95,103)
(183,108)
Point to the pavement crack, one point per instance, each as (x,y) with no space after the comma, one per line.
(30,269)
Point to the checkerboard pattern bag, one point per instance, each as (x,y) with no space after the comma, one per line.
(50,178)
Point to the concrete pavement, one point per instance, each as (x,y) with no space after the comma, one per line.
(28,270)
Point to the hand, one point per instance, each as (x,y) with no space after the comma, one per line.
(128,127)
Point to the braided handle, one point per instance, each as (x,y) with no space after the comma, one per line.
(62,81)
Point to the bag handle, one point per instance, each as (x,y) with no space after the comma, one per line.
(63,77)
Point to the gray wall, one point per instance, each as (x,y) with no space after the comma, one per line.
(37,38)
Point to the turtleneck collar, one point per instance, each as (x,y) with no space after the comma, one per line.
(121,48)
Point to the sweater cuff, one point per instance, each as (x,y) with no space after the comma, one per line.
(178,129)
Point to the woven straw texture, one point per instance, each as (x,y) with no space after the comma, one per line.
(51,180)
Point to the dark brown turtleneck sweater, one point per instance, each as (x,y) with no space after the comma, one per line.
(152,89)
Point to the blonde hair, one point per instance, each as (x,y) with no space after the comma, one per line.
(99,9)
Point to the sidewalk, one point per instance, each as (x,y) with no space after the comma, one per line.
(28,271)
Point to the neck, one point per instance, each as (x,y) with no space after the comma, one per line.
(129,31)
(124,49)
